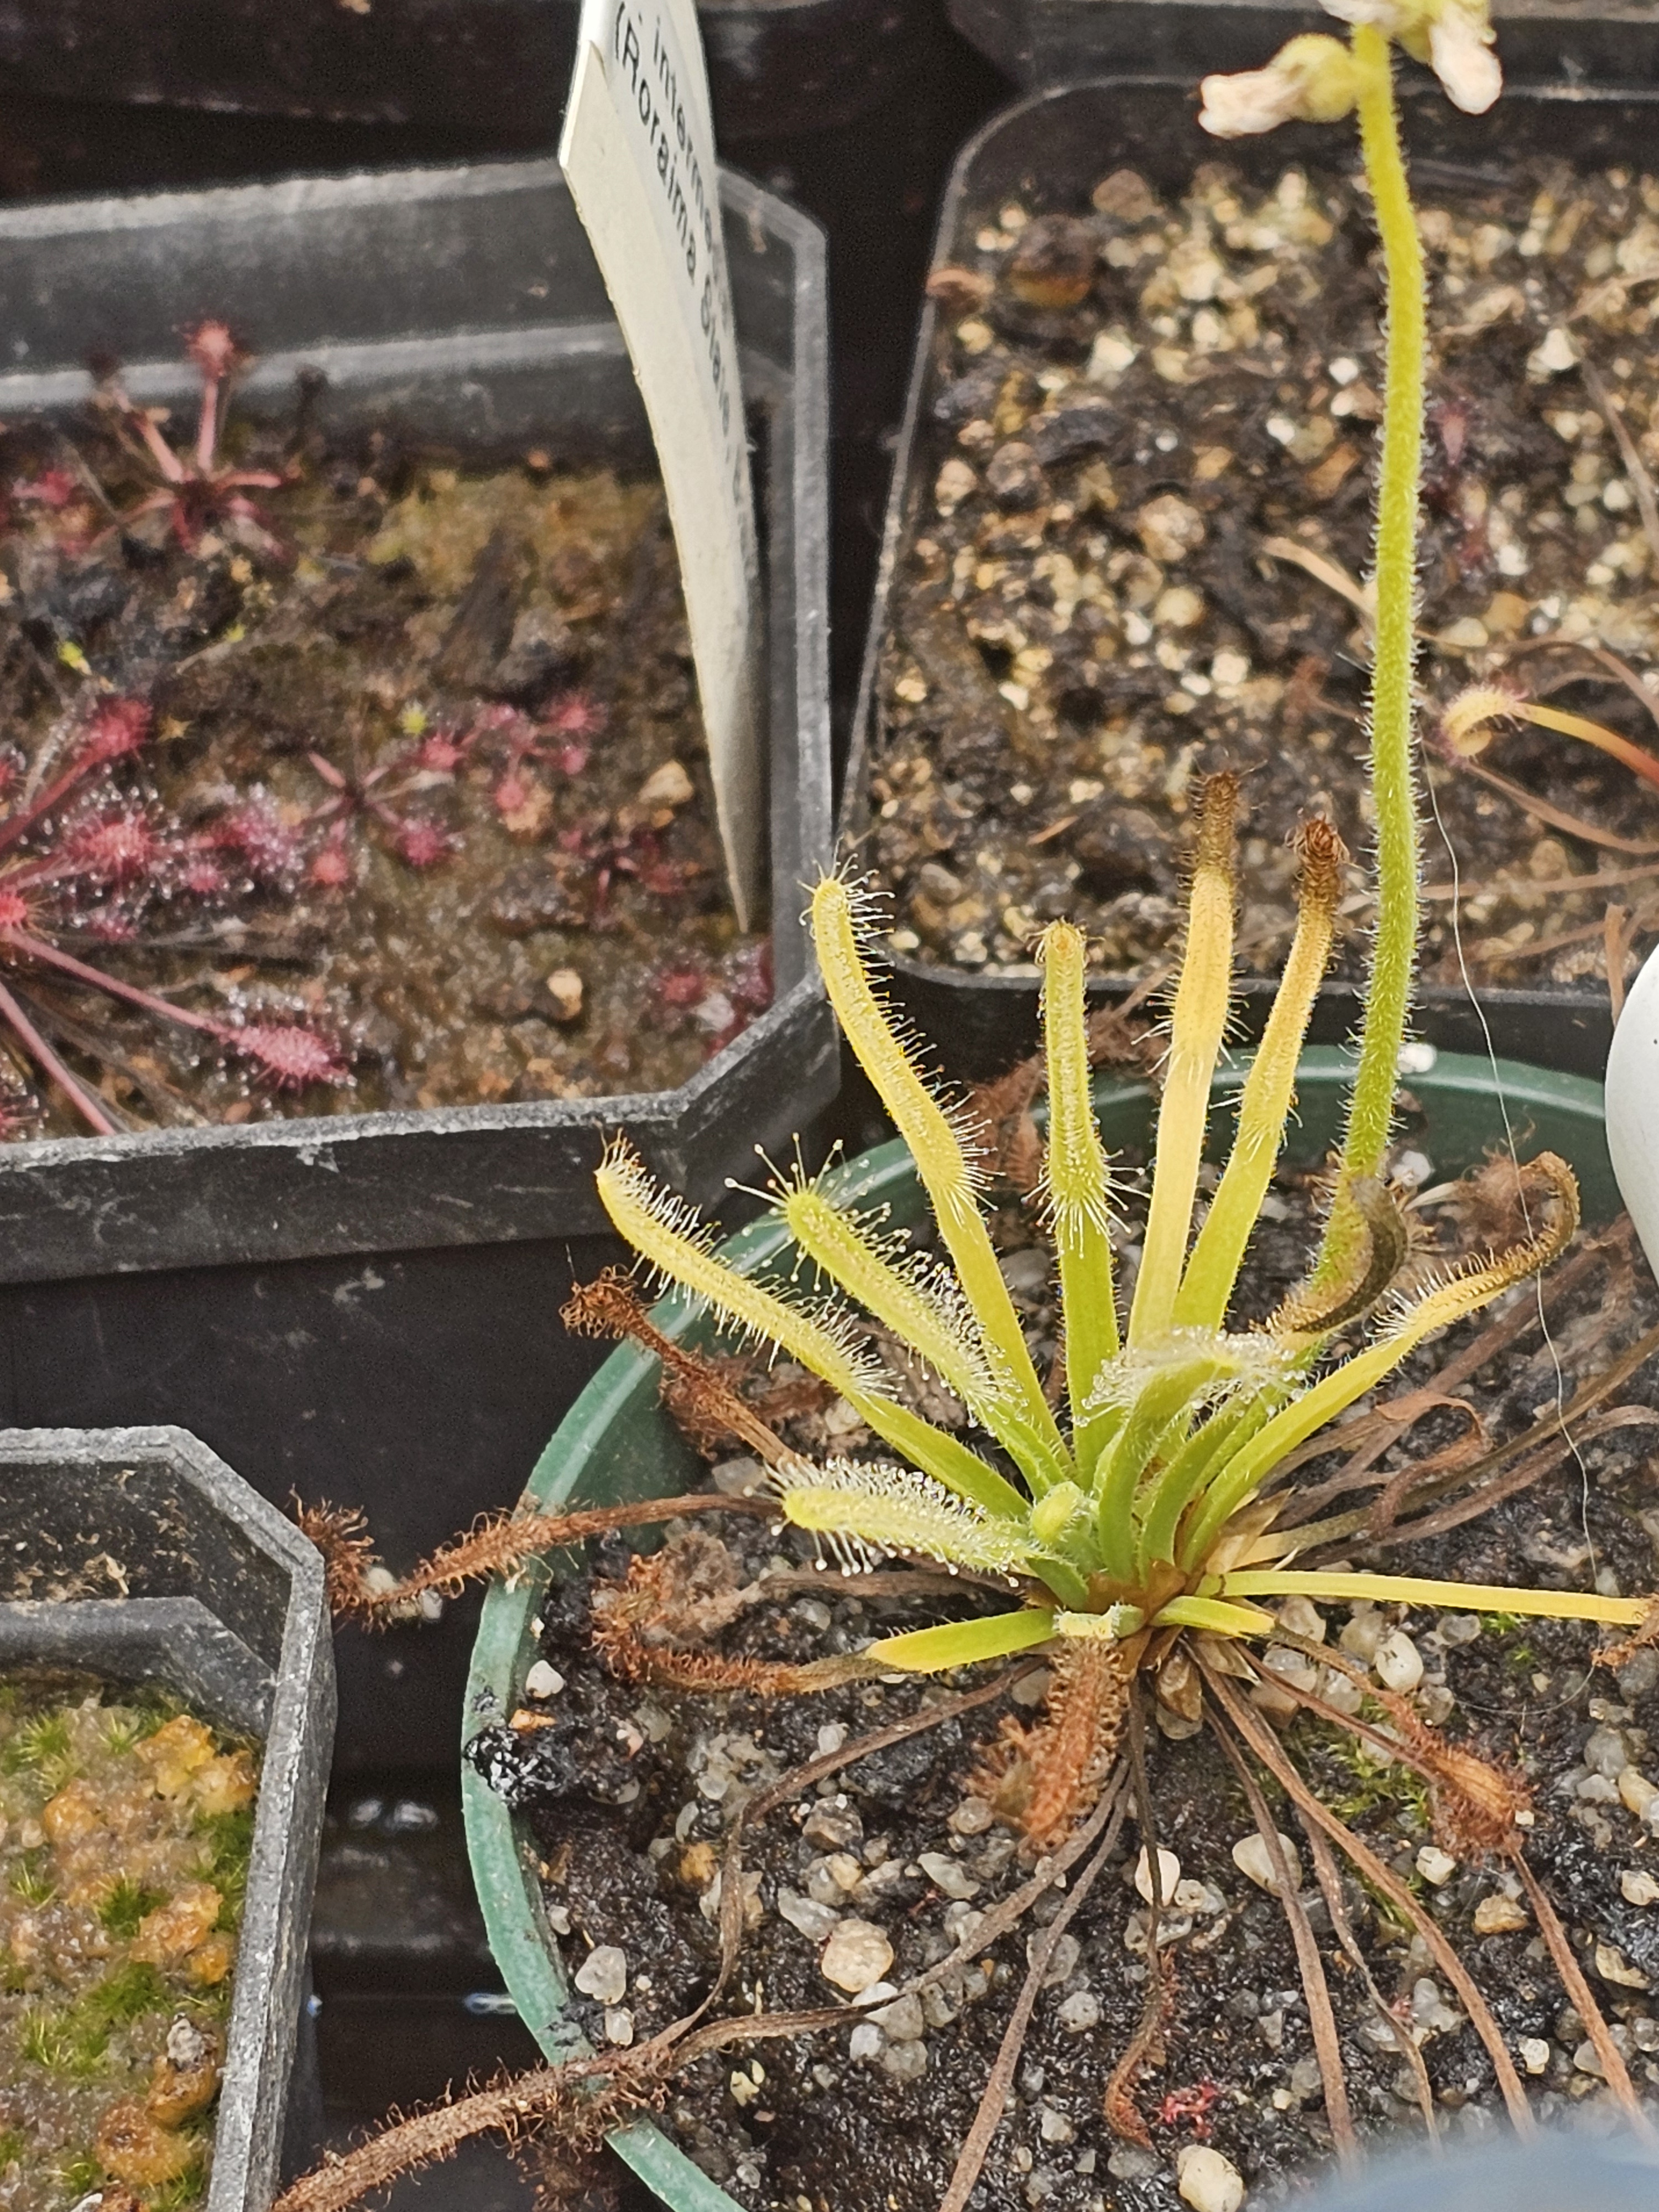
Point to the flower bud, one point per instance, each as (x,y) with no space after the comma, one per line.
(1311,80)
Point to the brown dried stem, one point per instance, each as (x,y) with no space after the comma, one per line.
(1558,1422)
(989,2116)
(1330,1889)
(1635,467)
(1613,2068)
(1321,2017)
(1554,818)
(1146,2045)
(1261,1740)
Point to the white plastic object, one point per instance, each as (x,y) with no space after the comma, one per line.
(1632,1106)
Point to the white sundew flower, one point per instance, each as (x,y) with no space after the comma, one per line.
(1253,101)
(1311,80)
(1454,37)
(1460,52)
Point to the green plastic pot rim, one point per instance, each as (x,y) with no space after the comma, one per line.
(1493,1101)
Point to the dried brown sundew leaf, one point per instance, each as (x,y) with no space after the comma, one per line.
(499,1543)
(341,1535)
(1321,2017)
(995,2096)
(1045,1779)
(1581,1998)
(1617,1655)
(1261,1740)
(1480,1808)
(695,1390)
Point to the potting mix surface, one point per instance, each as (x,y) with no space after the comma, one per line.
(859,1883)
(124,1834)
(1142,521)
(388,774)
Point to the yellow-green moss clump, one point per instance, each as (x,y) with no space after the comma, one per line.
(125,1833)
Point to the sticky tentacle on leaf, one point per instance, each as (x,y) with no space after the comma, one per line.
(942,1163)
(1269,1089)
(1076,1186)
(667,1233)
(1465,1293)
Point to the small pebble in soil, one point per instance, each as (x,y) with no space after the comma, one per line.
(905,2061)
(1500,1915)
(1533,2053)
(815,1921)
(1168,1870)
(1437,1867)
(1300,1616)
(1605,1752)
(833,1825)
(1637,1886)
(603,1974)
(1362,1633)
(1254,1861)
(1612,1965)
(946,1874)
(902,2021)
(856,1956)
(1207,2180)
(1398,1662)
(543,1681)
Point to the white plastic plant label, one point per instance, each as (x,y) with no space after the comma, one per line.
(1632,1106)
(638,152)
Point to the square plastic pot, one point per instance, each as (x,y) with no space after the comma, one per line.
(618,1442)
(1038,42)
(496,66)
(221,1602)
(365,1304)
(1050,150)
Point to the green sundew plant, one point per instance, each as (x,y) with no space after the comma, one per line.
(1126,1504)
(1146,1503)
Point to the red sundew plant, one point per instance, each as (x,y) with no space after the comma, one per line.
(196,488)
(722,998)
(83,859)
(420,840)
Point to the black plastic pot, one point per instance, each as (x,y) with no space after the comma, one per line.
(366,1305)
(498,66)
(1036,42)
(135,1556)
(1049,149)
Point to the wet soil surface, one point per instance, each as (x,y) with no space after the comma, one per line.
(629,1794)
(125,1833)
(409,807)
(1131,407)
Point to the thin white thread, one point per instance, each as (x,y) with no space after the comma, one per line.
(1571,1441)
